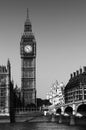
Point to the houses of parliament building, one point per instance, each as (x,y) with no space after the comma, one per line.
(28,71)
(5,78)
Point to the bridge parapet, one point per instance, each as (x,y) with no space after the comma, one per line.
(74,106)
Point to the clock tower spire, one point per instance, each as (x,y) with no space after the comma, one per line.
(27,26)
(28,63)
(27,13)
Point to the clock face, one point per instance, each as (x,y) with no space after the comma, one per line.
(28,48)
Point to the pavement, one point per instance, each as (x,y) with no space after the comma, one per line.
(22,117)
(38,119)
(42,119)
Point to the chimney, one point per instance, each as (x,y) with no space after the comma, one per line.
(77,72)
(84,68)
(71,76)
(74,74)
(80,70)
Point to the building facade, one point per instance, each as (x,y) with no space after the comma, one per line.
(56,94)
(5,77)
(75,89)
(28,64)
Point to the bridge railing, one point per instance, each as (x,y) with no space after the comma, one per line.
(25,110)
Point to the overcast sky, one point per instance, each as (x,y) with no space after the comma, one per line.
(59,27)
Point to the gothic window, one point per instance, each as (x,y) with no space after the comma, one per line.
(28,84)
(25,95)
(30,96)
(2,93)
(31,73)
(28,63)
(84,96)
(28,73)
(2,102)
(25,74)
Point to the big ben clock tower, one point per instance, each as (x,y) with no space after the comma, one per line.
(28,64)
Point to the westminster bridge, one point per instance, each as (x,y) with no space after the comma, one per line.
(74,104)
(71,110)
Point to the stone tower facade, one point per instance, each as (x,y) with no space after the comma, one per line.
(28,64)
(5,78)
